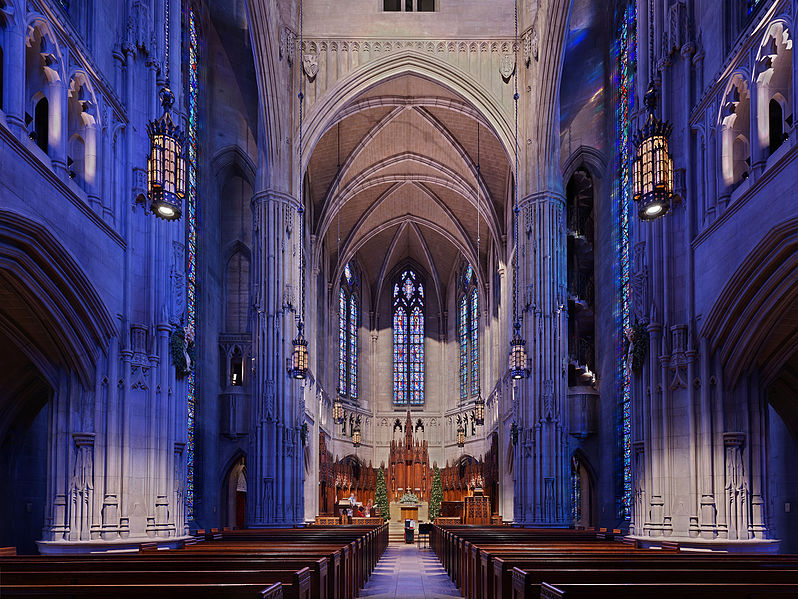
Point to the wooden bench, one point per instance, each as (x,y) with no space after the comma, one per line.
(529,583)
(491,563)
(152,590)
(324,563)
(666,590)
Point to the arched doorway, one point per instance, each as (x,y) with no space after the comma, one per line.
(583,492)
(24,428)
(235,495)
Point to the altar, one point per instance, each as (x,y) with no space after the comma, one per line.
(409,511)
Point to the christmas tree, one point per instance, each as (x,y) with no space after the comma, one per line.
(436,495)
(381,496)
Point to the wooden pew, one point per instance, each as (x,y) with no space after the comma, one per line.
(226,569)
(293,563)
(665,590)
(503,567)
(155,591)
(294,584)
(528,583)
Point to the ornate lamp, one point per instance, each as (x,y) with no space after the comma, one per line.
(166,163)
(299,357)
(652,168)
(479,409)
(518,360)
(356,433)
(460,433)
(338,408)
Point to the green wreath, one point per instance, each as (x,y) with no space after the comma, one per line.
(638,346)
(180,349)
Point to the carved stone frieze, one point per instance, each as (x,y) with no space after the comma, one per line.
(325,61)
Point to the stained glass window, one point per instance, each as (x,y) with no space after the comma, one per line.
(468,334)
(576,490)
(352,346)
(752,5)
(347,334)
(474,342)
(408,340)
(624,84)
(191,234)
(343,345)
(462,334)
(400,356)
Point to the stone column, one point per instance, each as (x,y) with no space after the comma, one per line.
(543,481)
(275,462)
(14,74)
(57,103)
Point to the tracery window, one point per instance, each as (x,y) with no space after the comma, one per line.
(408,5)
(408,339)
(468,333)
(626,66)
(192,97)
(348,314)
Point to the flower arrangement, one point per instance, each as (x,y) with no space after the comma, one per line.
(409,498)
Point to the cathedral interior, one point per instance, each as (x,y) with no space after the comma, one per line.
(523,261)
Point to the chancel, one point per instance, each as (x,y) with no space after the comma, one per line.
(328,299)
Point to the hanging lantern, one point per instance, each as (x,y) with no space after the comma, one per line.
(518,360)
(460,433)
(356,433)
(166,163)
(479,409)
(299,357)
(338,408)
(652,168)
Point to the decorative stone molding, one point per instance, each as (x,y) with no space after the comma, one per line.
(326,61)
(287,44)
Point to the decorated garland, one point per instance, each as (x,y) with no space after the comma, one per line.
(436,495)
(636,346)
(381,496)
(514,433)
(184,353)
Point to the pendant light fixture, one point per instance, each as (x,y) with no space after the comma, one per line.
(356,433)
(460,432)
(299,356)
(166,162)
(518,359)
(652,168)
(338,408)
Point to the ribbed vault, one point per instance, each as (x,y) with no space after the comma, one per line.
(409,171)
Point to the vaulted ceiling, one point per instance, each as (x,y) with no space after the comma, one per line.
(398,177)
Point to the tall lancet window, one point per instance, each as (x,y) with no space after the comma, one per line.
(408,339)
(192,102)
(468,333)
(347,334)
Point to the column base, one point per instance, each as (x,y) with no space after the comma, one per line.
(719,545)
(98,546)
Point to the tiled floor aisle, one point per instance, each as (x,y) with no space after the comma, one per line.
(406,572)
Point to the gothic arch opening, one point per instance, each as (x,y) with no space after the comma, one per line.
(234,494)
(753,332)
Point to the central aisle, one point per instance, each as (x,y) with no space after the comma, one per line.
(407,572)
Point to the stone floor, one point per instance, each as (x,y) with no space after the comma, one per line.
(407,572)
